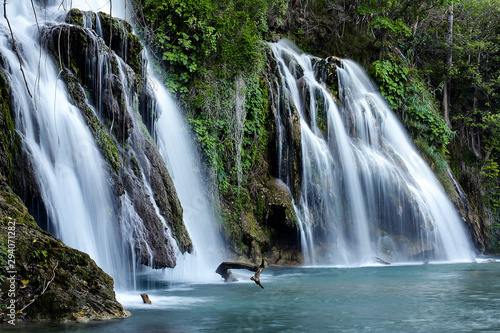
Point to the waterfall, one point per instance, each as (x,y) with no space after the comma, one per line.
(119,219)
(366,193)
(67,164)
(174,141)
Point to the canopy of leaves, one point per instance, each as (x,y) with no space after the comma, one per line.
(193,37)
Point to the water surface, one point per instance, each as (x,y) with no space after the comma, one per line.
(420,298)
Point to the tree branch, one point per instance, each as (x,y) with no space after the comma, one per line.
(14,46)
(44,289)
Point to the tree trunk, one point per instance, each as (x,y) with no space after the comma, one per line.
(476,135)
(447,82)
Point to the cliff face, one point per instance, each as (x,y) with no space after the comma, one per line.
(113,97)
(320,28)
(336,28)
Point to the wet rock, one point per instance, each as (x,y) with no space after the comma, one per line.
(326,71)
(52,280)
(280,209)
(281,245)
(166,198)
(103,70)
(151,245)
(75,17)
(118,35)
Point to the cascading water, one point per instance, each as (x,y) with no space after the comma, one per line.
(366,193)
(116,229)
(68,166)
(174,141)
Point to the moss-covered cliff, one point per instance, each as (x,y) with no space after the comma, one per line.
(45,279)
(40,277)
(104,74)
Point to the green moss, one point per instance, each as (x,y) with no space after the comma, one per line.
(123,41)
(9,139)
(75,17)
(78,291)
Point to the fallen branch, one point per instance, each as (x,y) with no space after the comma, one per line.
(14,46)
(224,269)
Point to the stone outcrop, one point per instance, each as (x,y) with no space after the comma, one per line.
(280,219)
(51,281)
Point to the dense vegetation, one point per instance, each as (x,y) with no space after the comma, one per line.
(212,56)
(436,62)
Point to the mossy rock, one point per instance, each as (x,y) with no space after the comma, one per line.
(75,17)
(279,203)
(113,129)
(326,72)
(52,281)
(10,141)
(118,35)
(166,198)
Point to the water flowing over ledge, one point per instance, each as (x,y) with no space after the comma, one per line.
(102,184)
(365,191)
(361,190)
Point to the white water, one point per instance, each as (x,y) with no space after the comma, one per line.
(366,192)
(174,142)
(68,167)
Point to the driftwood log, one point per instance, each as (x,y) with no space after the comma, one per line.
(145,298)
(224,270)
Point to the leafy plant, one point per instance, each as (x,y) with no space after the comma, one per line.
(408,95)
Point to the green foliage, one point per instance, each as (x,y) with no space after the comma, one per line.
(212,57)
(408,95)
(391,79)
(38,256)
(215,129)
(206,48)
(396,27)
(474,78)
(191,38)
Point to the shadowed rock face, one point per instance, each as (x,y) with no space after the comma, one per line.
(286,118)
(106,83)
(76,288)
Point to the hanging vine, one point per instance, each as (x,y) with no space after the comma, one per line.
(14,46)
